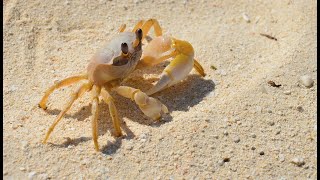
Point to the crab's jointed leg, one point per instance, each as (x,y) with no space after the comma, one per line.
(142,28)
(122,28)
(95,114)
(113,111)
(82,89)
(138,25)
(147,25)
(197,66)
(151,107)
(62,83)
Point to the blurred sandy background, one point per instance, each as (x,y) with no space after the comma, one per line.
(229,125)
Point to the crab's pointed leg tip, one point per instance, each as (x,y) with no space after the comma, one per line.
(44,108)
(97,149)
(118,134)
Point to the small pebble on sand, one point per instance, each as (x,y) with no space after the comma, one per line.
(84,162)
(236,139)
(246,17)
(271,123)
(22,169)
(24,144)
(12,88)
(253,135)
(221,162)
(307,81)
(180,137)
(300,109)
(221,72)
(288,92)
(298,161)
(281,157)
(226,159)
(129,147)
(143,137)
(225,133)
(261,153)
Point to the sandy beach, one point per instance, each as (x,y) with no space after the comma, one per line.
(232,124)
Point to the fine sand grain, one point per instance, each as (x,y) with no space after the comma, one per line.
(232,124)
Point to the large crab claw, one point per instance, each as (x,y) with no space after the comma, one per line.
(149,106)
(165,47)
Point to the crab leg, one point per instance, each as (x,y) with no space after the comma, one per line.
(149,106)
(62,83)
(82,89)
(199,68)
(122,28)
(113,111)
(147,25)
(95,114)
(138,25)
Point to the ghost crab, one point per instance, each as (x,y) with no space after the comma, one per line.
(113,63)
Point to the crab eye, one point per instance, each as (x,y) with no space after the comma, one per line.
(139,34)
(124,48)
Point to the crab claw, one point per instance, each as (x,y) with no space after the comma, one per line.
(150,106)
(178,68)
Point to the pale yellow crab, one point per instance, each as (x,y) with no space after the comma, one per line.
(115,61)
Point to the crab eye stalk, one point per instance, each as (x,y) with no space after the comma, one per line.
(139,34)
(124,49)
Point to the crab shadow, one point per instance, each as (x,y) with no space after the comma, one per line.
(71,142)
(179,97)
(104,125)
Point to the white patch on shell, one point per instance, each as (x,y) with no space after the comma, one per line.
(113,48)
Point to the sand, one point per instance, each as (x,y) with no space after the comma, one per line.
(230,124)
